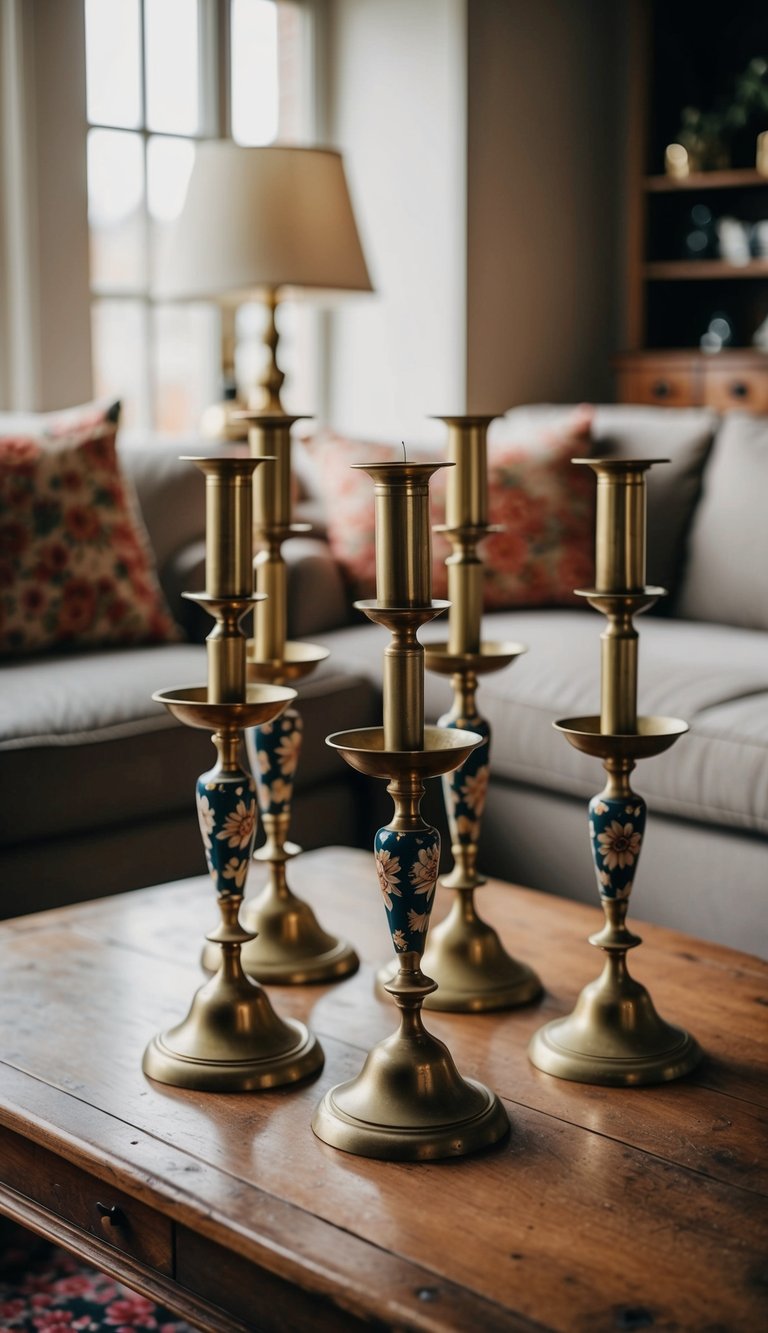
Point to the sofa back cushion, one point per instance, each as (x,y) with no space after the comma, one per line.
(684,436)
(726,578)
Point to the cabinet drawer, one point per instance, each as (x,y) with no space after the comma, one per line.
(666,386)
(86,1201)
(729,387)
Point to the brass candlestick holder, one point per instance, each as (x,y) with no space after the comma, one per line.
(472,968)
(289,945)
(614,1035)
(409,1101)
(231,1040)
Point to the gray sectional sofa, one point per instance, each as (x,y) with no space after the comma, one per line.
(97,781)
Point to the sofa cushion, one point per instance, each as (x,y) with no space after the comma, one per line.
(84,747)
(726,579)
(76,566)
(708,675)
(684,435)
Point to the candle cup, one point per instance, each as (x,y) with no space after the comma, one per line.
(403,532)
(614,1035)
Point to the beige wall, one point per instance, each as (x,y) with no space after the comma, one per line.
(45,359)
(396,107)
(545,199)
(484,143)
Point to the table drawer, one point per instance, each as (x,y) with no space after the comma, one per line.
(729,387)
(86,1201)
(663,385)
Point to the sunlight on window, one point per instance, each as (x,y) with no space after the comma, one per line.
(116,210)
(169,166)
(171,45)
(113,62)
(254,72)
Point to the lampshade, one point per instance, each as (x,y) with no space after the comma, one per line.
(259,219)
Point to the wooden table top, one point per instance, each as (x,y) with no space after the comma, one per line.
(606,1209)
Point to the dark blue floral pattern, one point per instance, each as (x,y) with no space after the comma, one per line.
(407,865)
(466,788)
(616,828)
(274,751)
(226,809)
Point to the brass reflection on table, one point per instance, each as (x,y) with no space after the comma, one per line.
(615,1035)
(409,1100)
(289,946)
(231,1040)
(465,955)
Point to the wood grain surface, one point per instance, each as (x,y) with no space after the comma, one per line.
(606,1209)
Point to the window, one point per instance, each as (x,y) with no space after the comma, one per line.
(158,80)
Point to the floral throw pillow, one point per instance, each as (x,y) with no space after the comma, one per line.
(76,567)
(545,504)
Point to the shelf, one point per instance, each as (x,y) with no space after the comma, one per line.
(707,180)
(696,270)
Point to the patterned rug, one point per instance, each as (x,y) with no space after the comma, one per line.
(44,1289)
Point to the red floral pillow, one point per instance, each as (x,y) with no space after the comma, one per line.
(545,504)
(76,567)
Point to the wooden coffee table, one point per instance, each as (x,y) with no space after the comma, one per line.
(607,1209)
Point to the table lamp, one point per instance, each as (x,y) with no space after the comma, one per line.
(258,223)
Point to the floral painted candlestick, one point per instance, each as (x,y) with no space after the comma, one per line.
(289,945)
(473,970)
(614,1035)
(409,1101)
(231,1040)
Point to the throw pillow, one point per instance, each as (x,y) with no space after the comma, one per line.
(725,578)
(545,504)
(76,567)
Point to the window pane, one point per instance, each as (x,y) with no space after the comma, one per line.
(187,365)
(254,71)
(119,333)
(112,62)
(172,73)
(116,210)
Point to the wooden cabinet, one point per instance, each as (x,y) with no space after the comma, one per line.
(681,270)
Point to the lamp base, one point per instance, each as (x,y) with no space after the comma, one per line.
(614,1037)
(409,1103)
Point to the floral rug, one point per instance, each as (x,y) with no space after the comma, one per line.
(44,1289)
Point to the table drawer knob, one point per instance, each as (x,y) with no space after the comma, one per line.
(111,1217)
(739,389)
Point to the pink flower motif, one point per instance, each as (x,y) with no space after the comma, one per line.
(131,1312)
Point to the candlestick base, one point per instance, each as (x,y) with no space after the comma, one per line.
(409,1102)
(614,1036)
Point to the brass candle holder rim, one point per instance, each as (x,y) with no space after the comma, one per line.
(465,419)
(209,599)
(490,656)
(399,468)
(608,464)
(634,600)
(279,532)
(297,661)
(190,704)
(444,748)
(470,531)
(237,463)
(654,735)
(269,418)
